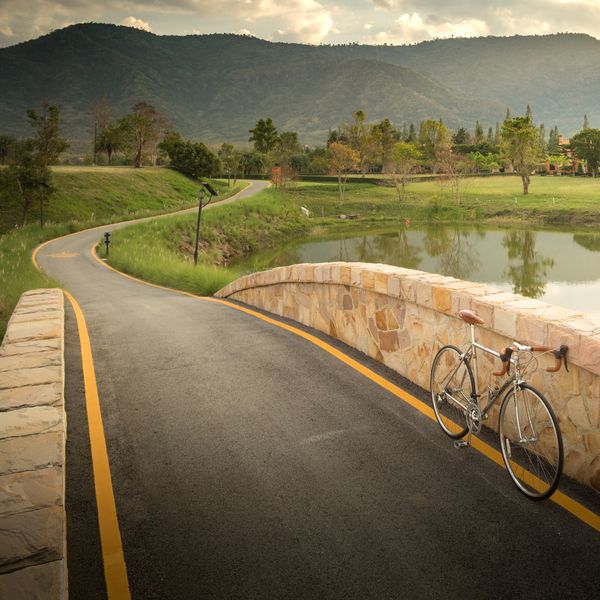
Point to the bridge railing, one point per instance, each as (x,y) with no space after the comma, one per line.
(401,317)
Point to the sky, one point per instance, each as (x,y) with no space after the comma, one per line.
(308,21)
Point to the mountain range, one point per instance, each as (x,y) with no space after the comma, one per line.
(215,87)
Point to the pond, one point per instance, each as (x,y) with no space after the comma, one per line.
(559,267)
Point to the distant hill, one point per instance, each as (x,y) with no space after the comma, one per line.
(215,87)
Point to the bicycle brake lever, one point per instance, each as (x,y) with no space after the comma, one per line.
(561,355)
(563,351)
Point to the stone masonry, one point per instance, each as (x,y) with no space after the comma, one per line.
(32,443)
(402,317)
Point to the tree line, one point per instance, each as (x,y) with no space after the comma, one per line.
(145,136)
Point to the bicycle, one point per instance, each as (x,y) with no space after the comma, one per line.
(530,438)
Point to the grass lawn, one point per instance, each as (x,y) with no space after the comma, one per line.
(551,200)
(98,195)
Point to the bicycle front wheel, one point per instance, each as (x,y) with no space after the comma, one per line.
(531,442)
(451,384)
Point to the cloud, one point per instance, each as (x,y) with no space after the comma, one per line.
(295,20)
(136,23)
(412,27)
(309,21)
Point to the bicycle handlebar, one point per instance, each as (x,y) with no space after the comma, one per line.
(559,354)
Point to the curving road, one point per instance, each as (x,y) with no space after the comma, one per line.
(247,463)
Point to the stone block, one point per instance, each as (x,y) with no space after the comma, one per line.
(30,490)
(388,341)
(575,463)
(39,582)
(591,441)
(31,452)
(595,473)
(367,280)
(31,360)
(31,538)
(28,421)
(505,322)
(34,330)
(381,283)
(586,354)
(531,329)
(30,377)
(442,299)
(29,346)
(35,395)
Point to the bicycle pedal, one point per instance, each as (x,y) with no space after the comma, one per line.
(461,444)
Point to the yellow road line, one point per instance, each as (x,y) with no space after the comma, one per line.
(575,508)
(115,570)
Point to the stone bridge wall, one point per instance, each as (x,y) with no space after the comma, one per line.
(402,317)
(32,450)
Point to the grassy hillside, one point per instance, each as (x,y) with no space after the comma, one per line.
(84,198)
(161,251)
(104,193)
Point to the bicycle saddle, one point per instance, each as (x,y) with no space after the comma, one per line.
(470,317)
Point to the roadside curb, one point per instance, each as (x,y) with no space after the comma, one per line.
(32,450)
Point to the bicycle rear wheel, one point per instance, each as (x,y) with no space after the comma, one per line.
(531,442)
(452,384)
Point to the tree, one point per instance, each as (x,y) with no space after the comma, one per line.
(194,159)
(461,136)
(342,161)
(48,143)
(253,163)
(170,139)
(520,145)
(542,142)
(264,135)
(27,179)
(405,158)
(146,127)
(286,146)
(434,138)
(361,139)
(113,138)
(586,146)
(101,112)
(478,135)
(529,112)
(553,146)
(40,152)
(384,135)
(230,159)
(7,144)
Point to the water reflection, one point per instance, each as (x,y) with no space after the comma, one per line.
(529,274)
(560,267)
(589,241)
(455,249)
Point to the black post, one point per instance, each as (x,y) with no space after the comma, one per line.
(205,191)
(198,228)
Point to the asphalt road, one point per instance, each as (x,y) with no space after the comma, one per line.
(249,464)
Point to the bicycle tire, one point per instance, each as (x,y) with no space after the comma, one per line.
(531,442)
(451,417)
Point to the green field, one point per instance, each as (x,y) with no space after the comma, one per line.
(551,200)
(87,197)
(162,251)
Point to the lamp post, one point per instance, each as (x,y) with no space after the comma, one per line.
(205,195)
